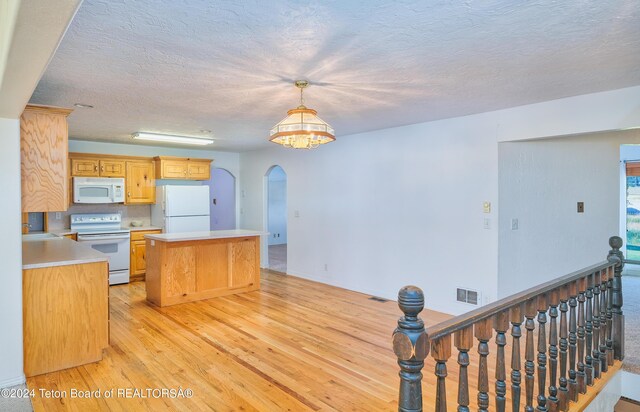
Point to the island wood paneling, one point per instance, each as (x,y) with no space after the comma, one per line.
(43,157)
(179,272)
(65,316)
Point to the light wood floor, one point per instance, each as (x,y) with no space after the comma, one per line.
(294,345)
(278,258)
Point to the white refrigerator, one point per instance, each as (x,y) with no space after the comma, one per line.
(181,209)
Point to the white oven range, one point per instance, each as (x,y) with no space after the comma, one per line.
(104,233)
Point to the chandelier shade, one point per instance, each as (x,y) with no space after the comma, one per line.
(302,128)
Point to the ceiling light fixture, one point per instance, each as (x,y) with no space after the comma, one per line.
(302,128)
(83,106)
(172,138)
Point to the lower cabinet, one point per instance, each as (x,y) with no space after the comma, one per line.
(138,262)
(65,316)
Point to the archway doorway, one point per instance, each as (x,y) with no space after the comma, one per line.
(277,218)
(222,202)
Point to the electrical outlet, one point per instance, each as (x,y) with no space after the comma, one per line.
(296,213)
(486,207)
(326,267)
(58,215)
(514,224)
(487,223)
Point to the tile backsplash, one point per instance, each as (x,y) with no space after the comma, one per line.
(129,213)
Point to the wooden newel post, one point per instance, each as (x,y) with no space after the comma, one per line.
(616,256)
(411,346)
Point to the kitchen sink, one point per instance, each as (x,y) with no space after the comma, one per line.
(40,236)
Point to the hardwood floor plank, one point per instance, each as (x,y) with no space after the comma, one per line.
(293,345)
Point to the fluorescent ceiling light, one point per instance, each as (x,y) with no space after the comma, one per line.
(173,139)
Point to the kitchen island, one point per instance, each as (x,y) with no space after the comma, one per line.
(65,301)
(185,267)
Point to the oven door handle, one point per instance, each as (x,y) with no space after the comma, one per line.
(87,238)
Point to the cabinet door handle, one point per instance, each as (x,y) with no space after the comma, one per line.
(102,168)
(129,194)
(95,168)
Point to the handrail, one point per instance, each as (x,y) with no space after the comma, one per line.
(456,323)
(586,336)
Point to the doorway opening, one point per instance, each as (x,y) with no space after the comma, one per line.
(222,199)
(277,218)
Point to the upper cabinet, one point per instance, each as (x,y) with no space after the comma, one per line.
(43,155)
(140,183)
(183,168)
(96,167)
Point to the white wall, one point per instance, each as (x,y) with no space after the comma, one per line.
(404,205)
(389,208)
(11,372)
(277,207)
(540,184)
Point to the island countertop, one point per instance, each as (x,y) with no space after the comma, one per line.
(214,234)
(57,252)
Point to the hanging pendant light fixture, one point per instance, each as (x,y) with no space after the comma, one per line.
(302,128)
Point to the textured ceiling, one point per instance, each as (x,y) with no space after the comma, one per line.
(179,66)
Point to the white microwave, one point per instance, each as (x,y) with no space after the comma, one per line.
(98,190)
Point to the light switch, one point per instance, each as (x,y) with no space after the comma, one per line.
(514,224)
(580,207)
(486,207)
(487,223)
(296,213)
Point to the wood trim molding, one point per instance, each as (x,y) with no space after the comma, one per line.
(76,155)
(48,109)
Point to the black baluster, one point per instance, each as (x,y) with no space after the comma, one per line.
(411,346)
(580,374)
(463,340)
(589,331)
(595,354)
(617,258)
(563,391)
(554,299)
(573,340)
(516,376)
(604,365)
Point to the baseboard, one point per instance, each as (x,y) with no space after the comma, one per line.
(19,380)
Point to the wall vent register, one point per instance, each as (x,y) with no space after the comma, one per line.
(467,296)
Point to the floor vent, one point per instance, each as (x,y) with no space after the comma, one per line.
(467,296)
(377,299)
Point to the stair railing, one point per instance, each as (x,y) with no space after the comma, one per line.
(584,337)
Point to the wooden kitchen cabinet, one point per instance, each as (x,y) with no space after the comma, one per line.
(140,183)
(65,316)
(112,168)
(90,167)
(183,168)
(138,263)
(44,159)
(85,167)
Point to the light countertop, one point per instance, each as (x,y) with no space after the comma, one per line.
(62,232)
(215,234)
(57,252)
(141,228)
